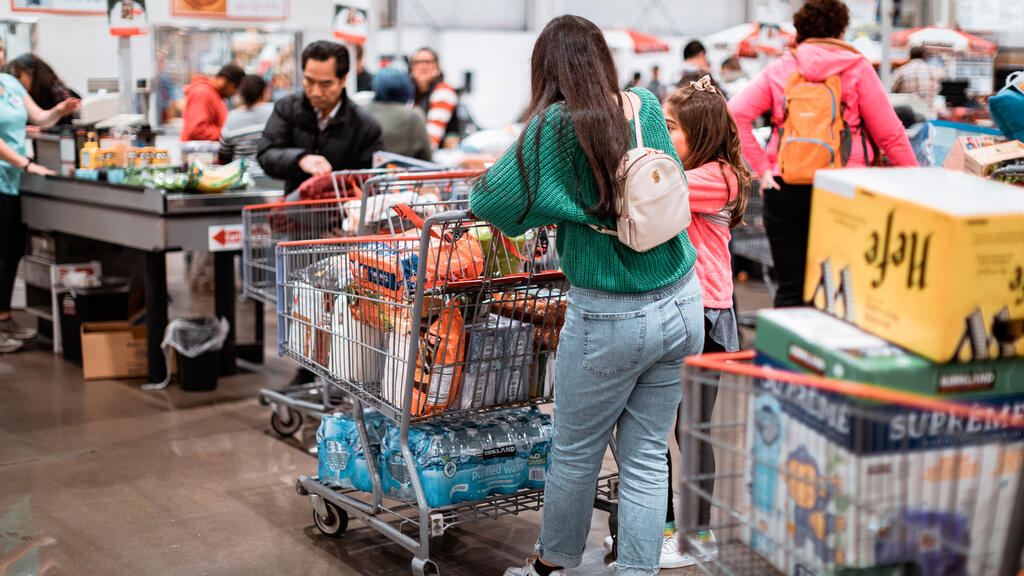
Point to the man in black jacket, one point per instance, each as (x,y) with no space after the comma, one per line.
(318,130)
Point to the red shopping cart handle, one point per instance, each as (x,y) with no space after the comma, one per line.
(545,276)
(442,175)
(739,363)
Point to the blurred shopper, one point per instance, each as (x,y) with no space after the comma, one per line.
(364,78)
(319,130)
(205,111)
(402,128)
(635,82)
(632,317)
(17,107)
(919,78)
(655,85)
(41,82)
(244,126)
(734,78)
(695,58)
(434,97)
(819,55)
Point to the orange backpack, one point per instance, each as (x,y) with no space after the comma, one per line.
(813,134)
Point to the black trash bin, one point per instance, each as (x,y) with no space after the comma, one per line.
(106,302)
(200,373)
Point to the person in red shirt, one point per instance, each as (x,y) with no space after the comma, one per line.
(205,111)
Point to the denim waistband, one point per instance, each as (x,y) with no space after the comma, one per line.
(652,295)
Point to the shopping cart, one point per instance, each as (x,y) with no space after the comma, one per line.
(409,324)
(819,476)
(355,210)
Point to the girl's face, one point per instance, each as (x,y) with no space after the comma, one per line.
(676,133)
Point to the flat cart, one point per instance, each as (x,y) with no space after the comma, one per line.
(821,476)
(354,210)
(408,325)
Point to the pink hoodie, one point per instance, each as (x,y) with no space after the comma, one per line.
(865,99)
(708,195)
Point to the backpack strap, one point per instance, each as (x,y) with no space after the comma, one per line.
(634,111)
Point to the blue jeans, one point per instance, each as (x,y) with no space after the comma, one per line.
(619,363)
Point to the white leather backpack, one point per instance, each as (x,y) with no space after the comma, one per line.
(654,206)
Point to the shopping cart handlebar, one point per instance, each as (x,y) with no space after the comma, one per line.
(739,363)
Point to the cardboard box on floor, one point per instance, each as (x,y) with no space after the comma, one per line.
(927,258)
(113,350)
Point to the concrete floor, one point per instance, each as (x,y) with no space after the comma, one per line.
(103,478)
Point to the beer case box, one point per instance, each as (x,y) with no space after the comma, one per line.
(983,161)
(927,258)
(809,340)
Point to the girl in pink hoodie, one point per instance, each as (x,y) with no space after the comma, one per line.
(866,111)
(707,141)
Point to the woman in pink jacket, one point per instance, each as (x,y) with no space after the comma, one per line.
(866,111)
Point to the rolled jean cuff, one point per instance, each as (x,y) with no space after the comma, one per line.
(556,558)
(621,570)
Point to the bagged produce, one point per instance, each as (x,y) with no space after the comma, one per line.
(330,185)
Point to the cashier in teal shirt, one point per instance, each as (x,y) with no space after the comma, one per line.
(17,108)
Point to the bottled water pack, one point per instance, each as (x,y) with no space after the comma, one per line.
(458,460)
(343,462)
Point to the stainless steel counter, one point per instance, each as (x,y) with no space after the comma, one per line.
(154,222)
(143,218)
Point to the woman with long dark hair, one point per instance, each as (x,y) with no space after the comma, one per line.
(41,82)
(632,318)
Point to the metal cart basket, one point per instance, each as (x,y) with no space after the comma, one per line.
(360,197)
(442,320)
(820,476)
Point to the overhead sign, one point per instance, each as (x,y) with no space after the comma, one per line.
(61,6)
(127,17)
(231,9)
(991,15)
(351,24)
(225,237)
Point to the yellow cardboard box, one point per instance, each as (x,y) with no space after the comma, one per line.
(927,258)
(113,350)
(982,161)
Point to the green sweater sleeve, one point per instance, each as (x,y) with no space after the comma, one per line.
(500,197)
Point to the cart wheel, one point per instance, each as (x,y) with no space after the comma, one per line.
(286,428)
(424,568)
(336,522)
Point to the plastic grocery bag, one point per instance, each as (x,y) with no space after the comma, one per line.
(190,338)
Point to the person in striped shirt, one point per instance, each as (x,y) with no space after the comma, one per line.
(244,126)
(434,97)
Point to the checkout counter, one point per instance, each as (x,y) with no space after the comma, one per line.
(152,222)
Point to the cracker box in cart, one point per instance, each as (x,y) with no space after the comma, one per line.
(930,259)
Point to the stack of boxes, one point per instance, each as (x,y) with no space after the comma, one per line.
(919,275)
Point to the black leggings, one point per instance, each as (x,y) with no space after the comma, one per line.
(706,455)
(12,246)
(787,216)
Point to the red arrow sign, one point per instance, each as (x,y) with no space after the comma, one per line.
(221,237)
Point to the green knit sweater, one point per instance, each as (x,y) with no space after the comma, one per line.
(563,186)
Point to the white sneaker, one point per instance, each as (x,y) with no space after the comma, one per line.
(8,344)
(14,329)
(528,570)
(706,545)
(608,543)
(671,557)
